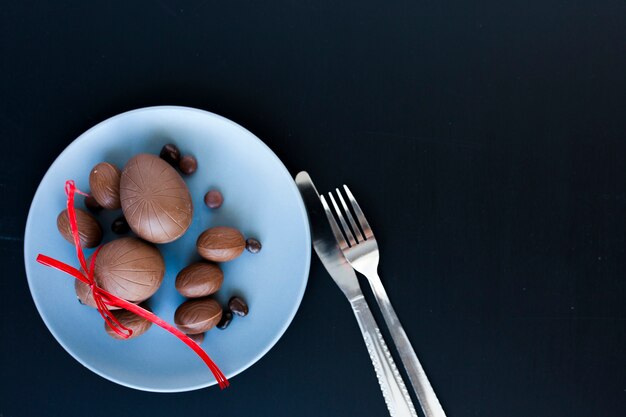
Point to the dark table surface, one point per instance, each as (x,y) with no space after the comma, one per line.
(487,141)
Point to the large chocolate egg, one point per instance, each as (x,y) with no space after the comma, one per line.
(155,199)
(129,268)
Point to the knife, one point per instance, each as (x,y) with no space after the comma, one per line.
(323,233)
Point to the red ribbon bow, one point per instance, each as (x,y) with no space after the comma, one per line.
(104,298)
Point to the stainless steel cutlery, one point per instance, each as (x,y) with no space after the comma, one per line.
(351,244)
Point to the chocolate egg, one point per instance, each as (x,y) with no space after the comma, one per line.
(199,280)
(136,323)
(104,181)
(129,268)
(84,294)
(220,244)
(198,315)
(198,338)
(89,230)
(155,199)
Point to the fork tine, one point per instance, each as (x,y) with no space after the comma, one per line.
(344,225)
(357,232)
(367,230)
(333,225)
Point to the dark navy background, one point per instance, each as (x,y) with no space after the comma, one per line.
(486,141)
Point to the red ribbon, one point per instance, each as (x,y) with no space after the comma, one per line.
(104,298)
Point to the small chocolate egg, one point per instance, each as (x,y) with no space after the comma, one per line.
(84,294)
(199,280)
(198,338)
(129,268)
(136,323)
(155,199)
(197,315)
(91,204)
(104,181)
(89,230)
(220,244)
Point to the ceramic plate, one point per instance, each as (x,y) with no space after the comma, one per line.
(260,199)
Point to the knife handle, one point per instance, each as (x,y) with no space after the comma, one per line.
(391,384)
(417,376)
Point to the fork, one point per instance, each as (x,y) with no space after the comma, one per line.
(359,246)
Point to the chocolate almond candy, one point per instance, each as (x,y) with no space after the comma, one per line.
(220,244)
(199,280)
(89,230)
(170,154)
(132,321)
(120,226)
(104,181)
(213,199)
(129,268)
(238,306)
(188,165)
(227,317)
(253,245)
(197,315)
(155,199)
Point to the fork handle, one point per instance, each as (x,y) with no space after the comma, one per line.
(417,376)
(391,384)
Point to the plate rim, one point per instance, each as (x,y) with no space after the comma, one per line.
(302,289)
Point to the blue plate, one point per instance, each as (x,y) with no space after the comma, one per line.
(260,199)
